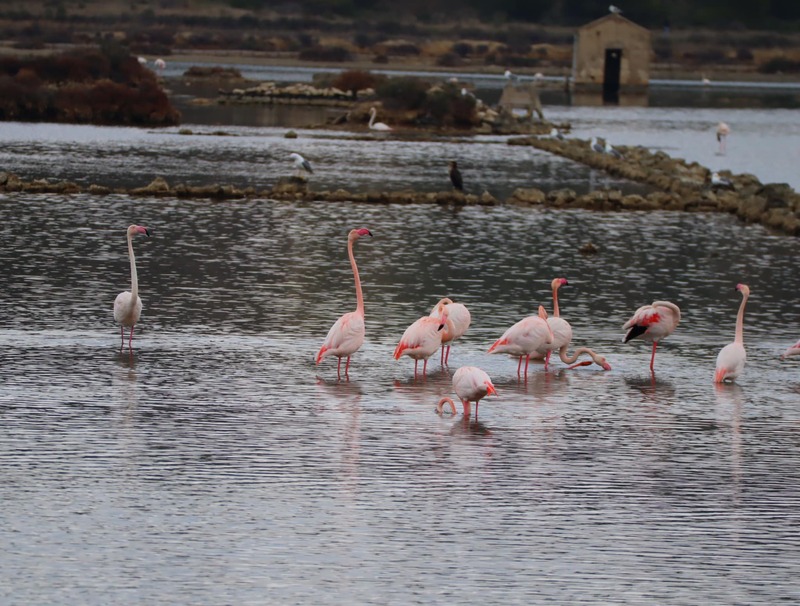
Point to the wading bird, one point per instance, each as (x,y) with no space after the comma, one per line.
(526,337)
(128,305)
(422,339)
(794,350)
(732,357)
(347,334)
(596,147)
(376,125)
(471,384)
(723,130)
(455,175)
(458,321)
(653,322)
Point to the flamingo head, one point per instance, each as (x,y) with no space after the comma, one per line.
(138,229)
(744,289)
(490,390)
(601,361)
(355,234)
(443,317)
(558,283)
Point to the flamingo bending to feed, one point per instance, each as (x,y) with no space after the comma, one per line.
(525,338)
(346,335)
(732,357)
(562,337)
(422,339)
(794,350)
(471,384)
(128,305)
(376,125)
(653,322)
(458,321)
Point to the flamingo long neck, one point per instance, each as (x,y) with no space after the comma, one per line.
(567,359)
(359,294)
(440,405)
(134,277)
(555,302)
(372,114)
(739,338)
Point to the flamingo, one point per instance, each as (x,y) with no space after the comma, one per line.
(422,339)
(376,125)
(562,337)
(128,305)
(471,384)
(300,164)
(346,335)
(160,64)
(524,338)
(732,357)
(794,350)
(653,322)
(458,321)
(723,130)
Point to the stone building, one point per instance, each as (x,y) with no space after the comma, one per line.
(612,55)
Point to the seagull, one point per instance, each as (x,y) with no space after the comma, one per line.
(720,182)
(455,176)
(556,134)
(141,60)
(596,146)
(510,77)
(300,164)
(611,151)
(614,9)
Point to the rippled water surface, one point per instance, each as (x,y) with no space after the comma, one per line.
(219,465)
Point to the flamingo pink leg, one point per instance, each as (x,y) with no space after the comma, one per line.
(447,357)
(425,367)
(130,339)
(519,365)
(122,337)
(653,357)
(415,368)
(347,368)
(442,360)
(547,359)
(527,360)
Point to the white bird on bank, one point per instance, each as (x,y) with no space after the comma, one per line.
(718,182)
(556,134)
(595,146)
(614,9)
(141,60)
(160,64)
(377,125)
(611,151)
(300,164)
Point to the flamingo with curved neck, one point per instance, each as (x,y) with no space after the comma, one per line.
(458,321)
(377,125)
(128,305)
(346,335)
(471,384)
(732,358)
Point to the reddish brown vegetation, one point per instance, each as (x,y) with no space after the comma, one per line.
(86,86)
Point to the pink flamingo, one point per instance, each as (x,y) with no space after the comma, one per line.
(346,335)
(723,130)
(457,324)
(562,337)
(471,384)
(794,350)
(422,339)
(128,305)
(732,357)
(653,322)
(525,338)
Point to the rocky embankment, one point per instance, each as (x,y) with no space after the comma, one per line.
(677,184)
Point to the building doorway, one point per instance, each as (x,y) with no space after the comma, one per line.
(611,73)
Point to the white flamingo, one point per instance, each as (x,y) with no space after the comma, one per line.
(377,125)
(732,357)
(128,305)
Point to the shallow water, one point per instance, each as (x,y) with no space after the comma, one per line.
(217,464)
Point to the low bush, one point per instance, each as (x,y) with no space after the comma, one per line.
(780,65)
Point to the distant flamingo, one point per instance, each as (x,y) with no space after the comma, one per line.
(458,322)
(128,305)
(562,336)
(471,384)
(732,357)
(653,323)
(723,130)
(347,334)
(422,339)
(160,64)
(376,125)
(525,338)
(794,350)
